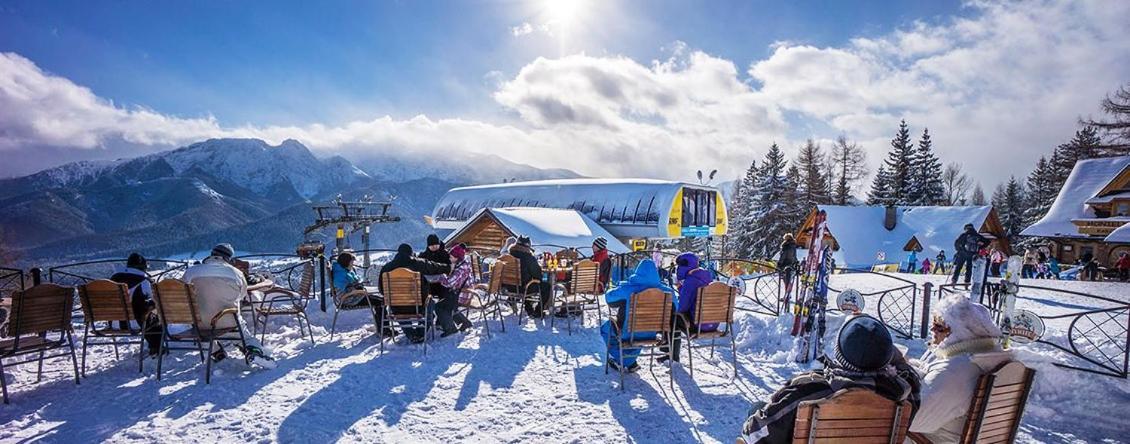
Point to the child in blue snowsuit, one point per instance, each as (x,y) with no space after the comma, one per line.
(645,277)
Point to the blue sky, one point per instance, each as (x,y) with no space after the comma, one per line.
(660,81)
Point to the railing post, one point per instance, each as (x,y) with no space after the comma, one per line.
(322,280)
(927,290)
(36,276)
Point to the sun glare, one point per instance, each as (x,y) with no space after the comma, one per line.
(563,12)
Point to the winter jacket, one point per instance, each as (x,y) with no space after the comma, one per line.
(138,282)
(1053,267)
(788,253)
(941,257)
(1123,262)
(1030,257)
(997,257)
(949,378)
(773,421)
(460,276)
(604,266)
(343,278)
(219,286)
(645,277)
(969,243)
(531,269)
(912,260)
(692,278)
(404,259)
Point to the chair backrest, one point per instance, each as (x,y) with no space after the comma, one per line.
(568,253)
(495,284)
(715,304)
(476,266)
(104,300)
(176,302)
(650,311)
(41,309)
(854,415)
(998,404)
(586,278)
(401,288)
(306,284)
(511,270)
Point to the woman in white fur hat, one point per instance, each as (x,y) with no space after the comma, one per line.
(966,344)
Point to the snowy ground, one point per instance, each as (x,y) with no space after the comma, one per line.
(530,384)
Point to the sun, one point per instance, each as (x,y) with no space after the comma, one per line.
(563,12)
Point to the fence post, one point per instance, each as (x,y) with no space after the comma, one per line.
(927,290)
(36,276)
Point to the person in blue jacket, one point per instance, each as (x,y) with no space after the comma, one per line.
(645,277)
(690,278)
(912,262)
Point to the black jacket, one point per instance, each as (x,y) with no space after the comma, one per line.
(404,259)
(531,270)
(969,243)
(773,422)
(788,253)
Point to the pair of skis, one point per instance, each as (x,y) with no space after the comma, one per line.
(808,311)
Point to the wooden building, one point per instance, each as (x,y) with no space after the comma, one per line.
(549,229)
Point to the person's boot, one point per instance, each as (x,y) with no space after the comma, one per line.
(257,356)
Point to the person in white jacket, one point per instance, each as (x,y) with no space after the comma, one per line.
(220,286)
(966,344)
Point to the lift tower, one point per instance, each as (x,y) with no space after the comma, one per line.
(354,216)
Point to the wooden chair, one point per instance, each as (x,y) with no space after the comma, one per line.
(997,405)
(513,292)
(854,415)
(279,301)
(36,313)
(583,291)
(354,300)
(484,295)
(176,305)
(109,302)
(403,306)
(569,253)
(714,304)
(648,311)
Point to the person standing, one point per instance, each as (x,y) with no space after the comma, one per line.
(996,258)
(141,299)
(1028,271)
(220,286)
(1090,266)
(967,246)
(912,261)
(788,262)
(1123,266)
(940,262)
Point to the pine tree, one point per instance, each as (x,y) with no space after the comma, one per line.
(1117,128)
(813,183)
(770,213)
(925,187)
(1085,145)
(898,165)
(743,222)
(848,169)
(1009,201)
(880,193)
(1041,192)
(978,197)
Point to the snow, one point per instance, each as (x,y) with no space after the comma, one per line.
(532,383)
(549,226)
(861,235)
(1086,180)
(1120,234)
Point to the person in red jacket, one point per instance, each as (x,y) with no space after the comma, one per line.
(1123,266)
(600,256)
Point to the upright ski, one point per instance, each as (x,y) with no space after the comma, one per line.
(811,266)
(811,343)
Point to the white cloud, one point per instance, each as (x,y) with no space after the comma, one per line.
(521,30)
(996,89)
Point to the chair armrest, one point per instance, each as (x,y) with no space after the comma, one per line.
(917,438)
(232,311)
(528,284)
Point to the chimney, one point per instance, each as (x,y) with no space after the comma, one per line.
(890,217)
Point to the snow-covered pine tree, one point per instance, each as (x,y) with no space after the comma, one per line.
(978,197)
(1086,144)
(1041,192)
(849,167)
(880,193)
(770,213)
(813,182)
(1009,201)
(925,187)
(898,165)
(742,221)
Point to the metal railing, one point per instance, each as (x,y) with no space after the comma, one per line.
(78,273)
(758,282)
(896,307)
(11,279)
(1098,335)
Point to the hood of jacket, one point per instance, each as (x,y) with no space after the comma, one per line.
(646,275)
(689,262)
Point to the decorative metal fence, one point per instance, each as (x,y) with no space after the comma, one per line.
(11,280)
(758,282)
(1098,334)
(896,307)
(78,273)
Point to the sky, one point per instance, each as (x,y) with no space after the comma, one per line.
(606,88)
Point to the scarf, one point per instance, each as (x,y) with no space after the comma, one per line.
(970,347)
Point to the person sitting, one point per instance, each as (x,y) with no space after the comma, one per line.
(965,345)
(447,313)
(690,279)
(405,259)
(646,276)
(531,271)
(510,242)
(865,357)
(351,291)
(141,299)
(604,263)
(435,252)
(220,286)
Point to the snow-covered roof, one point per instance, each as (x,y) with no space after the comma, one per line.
(1087,179)
(862,237)
(548,226)
(1120,234)
(1109,198)
(628,208)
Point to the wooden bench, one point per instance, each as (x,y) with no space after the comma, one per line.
(484,296)
(37,313)
(279,301)
(176,305)
(997,405)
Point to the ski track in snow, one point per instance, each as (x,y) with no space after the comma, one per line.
(529,384)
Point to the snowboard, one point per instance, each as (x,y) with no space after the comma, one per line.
(980,272)
(1011,284)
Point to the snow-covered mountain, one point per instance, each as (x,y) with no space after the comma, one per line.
(237,190)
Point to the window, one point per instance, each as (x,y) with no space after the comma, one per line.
(1122,208)
(698,208)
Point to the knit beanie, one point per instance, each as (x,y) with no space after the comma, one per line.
(223,250)
(459,252)
(600,243)
(433,240)
(137,261)
(864,345)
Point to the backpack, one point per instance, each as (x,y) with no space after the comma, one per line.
(971,244)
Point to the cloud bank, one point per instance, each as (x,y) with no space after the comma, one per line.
(996,89)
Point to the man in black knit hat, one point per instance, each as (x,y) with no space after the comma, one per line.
(141,298)
(865,357)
